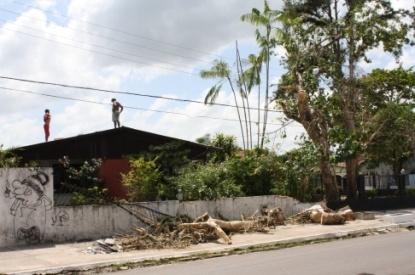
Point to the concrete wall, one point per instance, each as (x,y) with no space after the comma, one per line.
(26,205)
(228,208)
(27,215)
(76,223)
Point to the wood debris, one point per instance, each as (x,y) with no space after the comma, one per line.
(323,215)
(182,232)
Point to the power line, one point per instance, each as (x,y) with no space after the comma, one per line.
(125,93)
(136,45)
(93,44)
(284,125)
(123,32)
(102,53)
(127,107)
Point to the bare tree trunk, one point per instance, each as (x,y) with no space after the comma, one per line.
(349,102)
(351,175)
(237,110)
(329,181)
(264,128)
(259,114)
(242,93)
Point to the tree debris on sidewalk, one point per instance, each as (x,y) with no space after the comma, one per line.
(180,233)
(323,215)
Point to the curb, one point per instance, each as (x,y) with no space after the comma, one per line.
(215,251)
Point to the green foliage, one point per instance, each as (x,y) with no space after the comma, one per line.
(300,173)
(251,174)
(143,180)
(86,183)
(257,174)
(85,176)
(227,144)
(8,158)
(205,140)
(92,195)
(207,182)
(391,136)
(381,87)
(169,158)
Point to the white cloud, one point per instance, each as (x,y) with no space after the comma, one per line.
(45,4)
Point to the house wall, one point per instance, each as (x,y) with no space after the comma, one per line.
(26,205)
(110,173)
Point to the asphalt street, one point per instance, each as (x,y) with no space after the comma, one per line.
(383,254)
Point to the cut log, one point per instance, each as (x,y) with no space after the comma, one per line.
(347,213)
(315,216)
(332,219)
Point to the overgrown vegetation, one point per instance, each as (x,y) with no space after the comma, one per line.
(228,172)
(8,158)
(85,184)
(143,180)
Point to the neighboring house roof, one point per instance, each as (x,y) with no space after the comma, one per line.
(110,144)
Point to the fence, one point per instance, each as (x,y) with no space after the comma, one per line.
(28,214)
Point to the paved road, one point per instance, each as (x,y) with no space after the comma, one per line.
(383,254)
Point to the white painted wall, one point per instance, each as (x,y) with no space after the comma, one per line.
(27,215)
(26,205)
(76,223)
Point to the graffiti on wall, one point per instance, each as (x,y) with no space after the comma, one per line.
(60,218)
(29,206)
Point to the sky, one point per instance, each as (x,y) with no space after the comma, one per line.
(153,47)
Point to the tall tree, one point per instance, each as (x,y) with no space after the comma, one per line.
(332,37)
(220,70)
(388,127)
(265,20)
(252,76)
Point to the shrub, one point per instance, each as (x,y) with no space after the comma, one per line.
(300,174)
(227,144)
(256,173)
(207,182)
(170,158)
(8,158)
(85,183)
(143,180)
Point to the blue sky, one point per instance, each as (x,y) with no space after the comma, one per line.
(69,41)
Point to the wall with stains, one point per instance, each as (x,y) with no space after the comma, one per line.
(26,205)
(89,222)
(27,215)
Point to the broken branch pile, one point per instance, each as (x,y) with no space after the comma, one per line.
(179,233)
(323,215)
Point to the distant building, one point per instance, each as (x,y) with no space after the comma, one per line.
(112,146)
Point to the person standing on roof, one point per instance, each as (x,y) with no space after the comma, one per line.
(46,125)
(117,108)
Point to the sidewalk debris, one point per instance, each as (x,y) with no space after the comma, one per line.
(180,233)
(323,215)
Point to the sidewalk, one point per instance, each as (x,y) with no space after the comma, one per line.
(56,258)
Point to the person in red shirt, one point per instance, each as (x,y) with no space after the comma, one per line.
(46,120)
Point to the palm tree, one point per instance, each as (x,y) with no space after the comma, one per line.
(220,70)
(252,76)
(242,85)
(263,19)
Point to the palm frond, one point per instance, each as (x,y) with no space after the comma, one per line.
(213,94)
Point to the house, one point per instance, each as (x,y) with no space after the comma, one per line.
(112,146)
